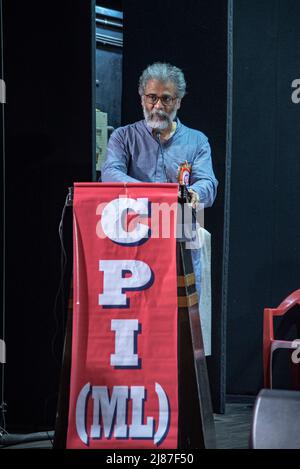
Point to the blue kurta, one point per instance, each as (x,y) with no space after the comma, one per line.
(134,154)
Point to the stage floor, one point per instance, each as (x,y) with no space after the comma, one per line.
(233,427)
(232,430)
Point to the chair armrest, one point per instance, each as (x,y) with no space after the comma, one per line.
(292,300)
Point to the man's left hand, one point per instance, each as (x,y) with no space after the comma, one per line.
(194,199)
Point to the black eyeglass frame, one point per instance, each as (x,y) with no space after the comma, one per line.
(166,100)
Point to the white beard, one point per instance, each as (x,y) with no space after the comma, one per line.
(157,123)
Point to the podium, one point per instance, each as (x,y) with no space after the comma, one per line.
(195,416)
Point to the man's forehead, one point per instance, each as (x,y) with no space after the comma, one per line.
(160,87)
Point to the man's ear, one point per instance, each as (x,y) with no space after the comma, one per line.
(178,103)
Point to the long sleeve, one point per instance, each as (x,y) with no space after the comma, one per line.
(203,180)
(115,166)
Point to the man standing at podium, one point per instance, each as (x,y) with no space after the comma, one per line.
(154,149)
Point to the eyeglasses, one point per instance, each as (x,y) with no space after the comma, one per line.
(165,99)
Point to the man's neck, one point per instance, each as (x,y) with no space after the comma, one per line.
(165,134)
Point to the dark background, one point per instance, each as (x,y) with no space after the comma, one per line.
(49,144)
(253,128)
(264,259)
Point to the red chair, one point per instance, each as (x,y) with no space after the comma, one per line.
(270,344)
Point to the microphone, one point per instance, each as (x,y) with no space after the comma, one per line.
(157,133)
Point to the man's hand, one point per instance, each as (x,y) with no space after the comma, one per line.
(194,199)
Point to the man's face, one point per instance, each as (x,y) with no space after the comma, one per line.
(161,114)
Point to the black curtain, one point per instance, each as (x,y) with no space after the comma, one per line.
(48,69)
(264,261)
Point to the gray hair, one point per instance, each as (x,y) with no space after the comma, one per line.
(163,72)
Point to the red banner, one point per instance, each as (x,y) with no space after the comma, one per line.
(124,383)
